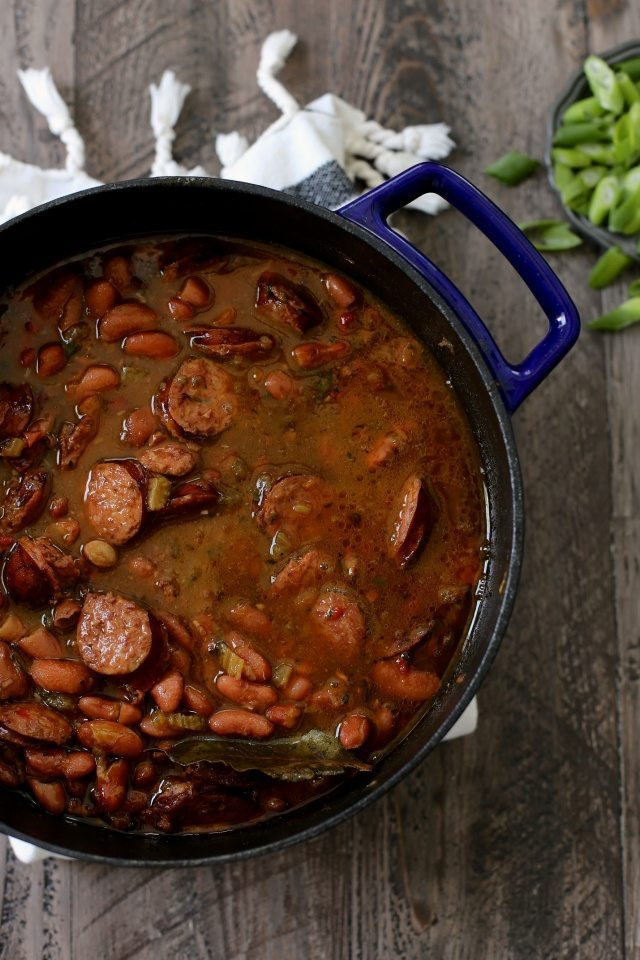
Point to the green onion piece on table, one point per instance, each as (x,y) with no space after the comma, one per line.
(603,199)
(610,265)
(581,110)
(512,168)
(604,84)
(550,235)
(623,316)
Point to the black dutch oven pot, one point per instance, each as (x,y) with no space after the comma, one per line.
(355,240)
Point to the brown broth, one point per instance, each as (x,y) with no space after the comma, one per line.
(386,395)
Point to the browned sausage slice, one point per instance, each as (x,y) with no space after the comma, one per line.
(31,719)
(114,634)
(25,500)
(302,571)
(114,501)
(225,343)
(36,570)
(16,408)
(339,623)
(413,521)
(298,506)
(74,438)
(286,302)
(171,459)
(201,398)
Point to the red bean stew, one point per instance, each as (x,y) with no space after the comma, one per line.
(242,528)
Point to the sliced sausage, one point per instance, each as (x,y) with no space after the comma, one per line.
(171,459)
(200,399)
(34,720)
(301,571)
(13,680)
(74,438)
(191,496)
(287,303)
(16,409)
(113,634)
(53,762)
(37,570)
(412,521)
(25,500)
(298,506)
(225,343)
(339,623)
(114,501)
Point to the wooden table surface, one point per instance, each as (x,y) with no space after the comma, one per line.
(521,841)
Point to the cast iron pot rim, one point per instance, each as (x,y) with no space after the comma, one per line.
(349,805)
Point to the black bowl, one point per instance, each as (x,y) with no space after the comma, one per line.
(575,89)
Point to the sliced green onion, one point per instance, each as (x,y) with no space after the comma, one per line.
(573,158)
(550,235)
(610,265)
(562,175)
(280,546)
(631,67)
(634,288)
(604,198)
(628,88)
(570,134)
(625,218)
(512,168)
(587,109)
(604,84)
(623,316)
(599,152)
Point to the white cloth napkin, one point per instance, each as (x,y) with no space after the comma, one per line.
(323,152)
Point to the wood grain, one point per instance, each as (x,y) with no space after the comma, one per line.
(512,843)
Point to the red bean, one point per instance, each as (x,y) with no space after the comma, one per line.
(13,682)
(257,696)
(354,730)
(138,426)
(255,666)
(125,319)
(167,692)
(51,796)
(42,643)
(284,715)
(117,270)
(144,773)
(111,784)
(398,680)
(99,297)
(58,507)
(52,762)
(340,290)
(152,344)
(51,360)
(198,700)
(195,292)
(110,737)
(61,676)
(103,708)
(298,687)
(240,723)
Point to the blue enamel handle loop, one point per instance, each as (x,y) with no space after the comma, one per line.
(516,381)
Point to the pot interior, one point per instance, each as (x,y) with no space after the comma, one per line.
(150,208)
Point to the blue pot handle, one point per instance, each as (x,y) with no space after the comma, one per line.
(516,381)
